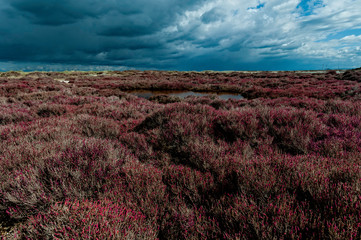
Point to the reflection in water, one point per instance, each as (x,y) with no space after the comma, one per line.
(183,94)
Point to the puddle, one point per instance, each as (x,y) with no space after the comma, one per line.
(62,80)
(183,94)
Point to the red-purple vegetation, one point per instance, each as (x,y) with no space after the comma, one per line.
(85,160)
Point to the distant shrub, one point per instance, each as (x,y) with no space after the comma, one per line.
(44,96)
(48,110)
(13,113)
(164,99)
(331,72)
(352,75)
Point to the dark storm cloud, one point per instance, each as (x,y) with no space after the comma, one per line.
(127,31)
(53,12)
(88,31)
(114,16)
(144,17)
(211,16)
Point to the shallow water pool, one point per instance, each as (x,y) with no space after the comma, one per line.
(183,94)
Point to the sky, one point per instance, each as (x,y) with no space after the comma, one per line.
(182,35)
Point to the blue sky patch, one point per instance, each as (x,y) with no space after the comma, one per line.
(259,6)
(342,34)
(308,6)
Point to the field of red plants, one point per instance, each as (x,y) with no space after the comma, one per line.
(82,159)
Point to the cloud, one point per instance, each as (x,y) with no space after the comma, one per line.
(351,38)
(212,15)
(184,35)
(53,12)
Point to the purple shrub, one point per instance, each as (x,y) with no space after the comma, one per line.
(138,144)
(184,222)
(353,75)
(86,160)
(46,110)
(86,219)
(81,170)
(144,183)
(291,130)
(91,126)
(238,124)
(12,113)
(188,183)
